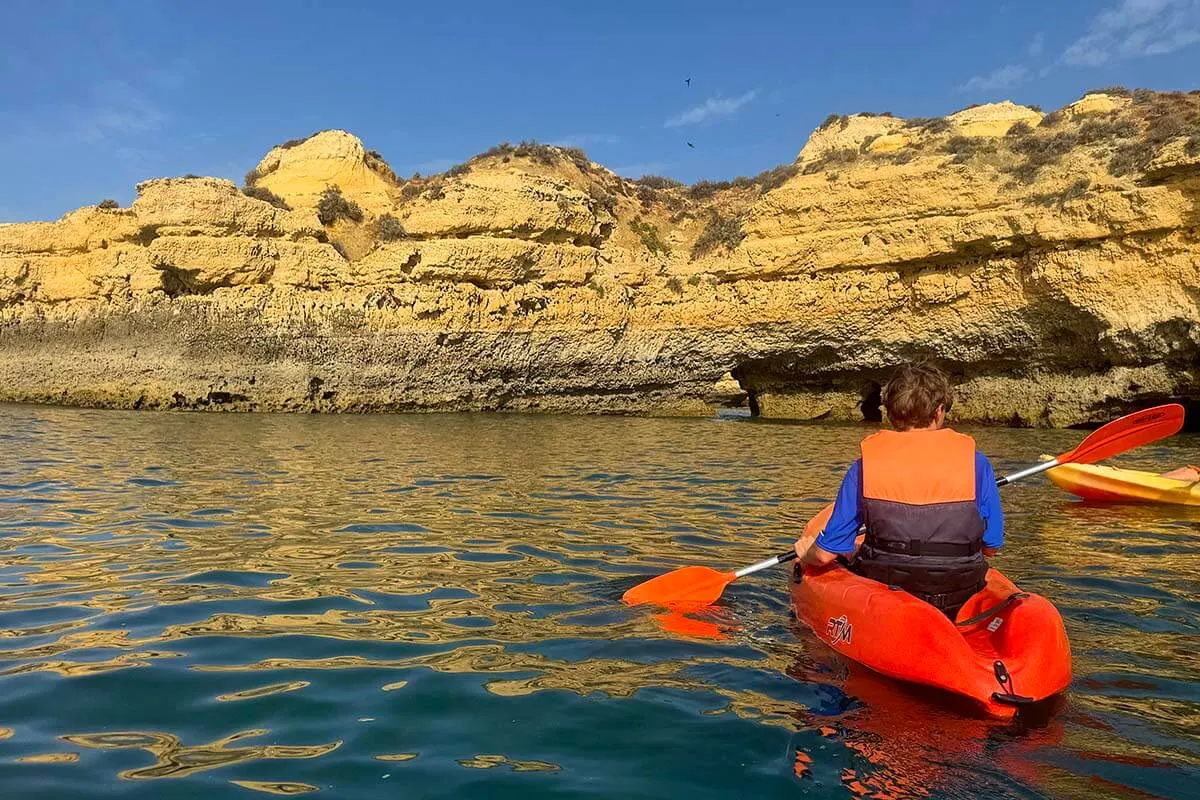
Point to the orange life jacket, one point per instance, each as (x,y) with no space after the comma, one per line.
(924,531)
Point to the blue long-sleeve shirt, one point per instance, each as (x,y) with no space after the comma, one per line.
(839,534)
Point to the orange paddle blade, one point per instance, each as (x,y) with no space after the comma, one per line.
(691,587)
(1130,431)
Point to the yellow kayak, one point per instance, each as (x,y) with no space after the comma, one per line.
(1112,485)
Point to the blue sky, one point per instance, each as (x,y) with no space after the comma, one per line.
(95,97)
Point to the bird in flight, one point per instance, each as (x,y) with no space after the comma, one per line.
(687,81)
(691,145)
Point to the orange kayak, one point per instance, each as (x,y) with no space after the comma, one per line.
(1006,650)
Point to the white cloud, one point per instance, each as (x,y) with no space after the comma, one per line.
(1037,45)
(586,139)
(1002,78)
(712,108)
(1136,29)
(114,112)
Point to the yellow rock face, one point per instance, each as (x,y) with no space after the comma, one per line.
(1096,103)
(889,143)
(1052,290)
(299,174)
(846,132)
(992,119)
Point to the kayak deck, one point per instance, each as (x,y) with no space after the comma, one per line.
(1012,650)
(1114,485)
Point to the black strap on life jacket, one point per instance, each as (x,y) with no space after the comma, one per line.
(919,548)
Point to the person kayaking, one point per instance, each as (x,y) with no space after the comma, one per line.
(926,497)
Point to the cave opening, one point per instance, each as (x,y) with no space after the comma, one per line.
(1191,414)
(872,403)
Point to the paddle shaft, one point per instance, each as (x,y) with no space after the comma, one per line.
(789,555)
(1025,473)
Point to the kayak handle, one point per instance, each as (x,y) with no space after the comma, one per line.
(767,563)
(1013,699)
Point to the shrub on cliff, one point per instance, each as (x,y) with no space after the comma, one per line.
(503,151)
(1116,91)
(964,148)
(928,124)
(841,120)
(771,179)
(1040,151)
(457,170)
(377,164)
(1021,128)
(720,232)
(649,236)
(1053,119)
(702,190)
(108,205)
(266,195)
(577,157)
(1100,130)
(389,229)
(601,198)
(833,158)
(332,207)
(545,154)
(537,152)
(290,143)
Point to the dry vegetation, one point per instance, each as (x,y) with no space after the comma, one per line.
(1126,140)
(389,229)
(266,195)
(721,231)
(649,236)
(332,207)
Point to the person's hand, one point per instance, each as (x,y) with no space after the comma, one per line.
(801,547)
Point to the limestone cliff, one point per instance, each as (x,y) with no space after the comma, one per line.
(1050,262)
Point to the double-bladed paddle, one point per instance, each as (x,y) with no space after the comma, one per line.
(700,586)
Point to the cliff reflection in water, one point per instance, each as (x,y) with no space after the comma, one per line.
(289,604)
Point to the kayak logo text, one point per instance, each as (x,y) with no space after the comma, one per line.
(839,630)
